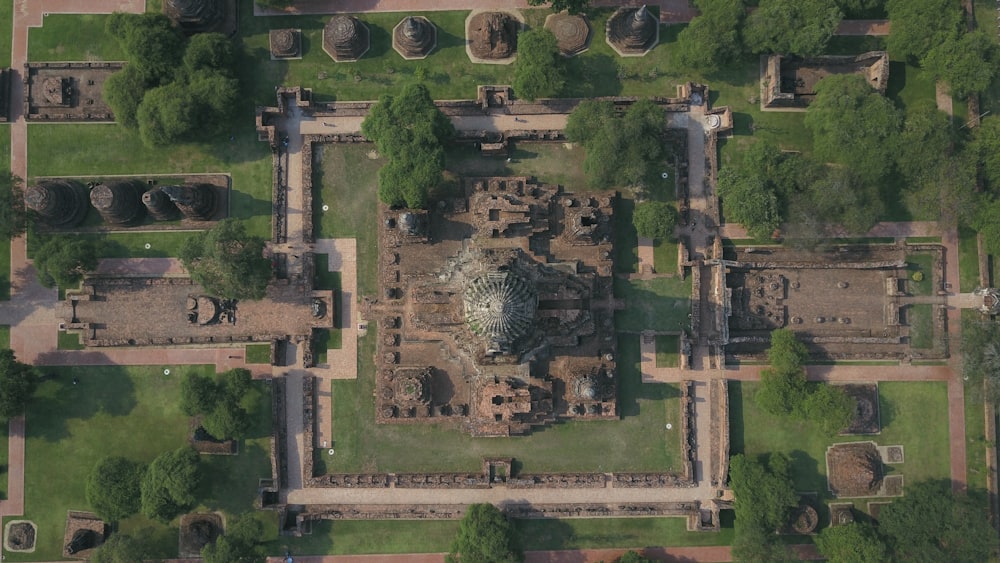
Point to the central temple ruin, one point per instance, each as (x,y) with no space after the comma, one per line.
(498,309)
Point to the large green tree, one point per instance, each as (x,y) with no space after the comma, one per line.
(123,91)
(18,382)
(919,25)
(620,151)
(227,261)
(169,485)
(655,220)
(113,487)
(750,200)
(855,126)
(120,548)
(930,524)
(485,536)
(240,543)
(153,45)
(985,147)
(410,131)
(783,387)
(571,6)
(981,359)
(792,27)
(62,261)
(764,495)
(221,402)
(210,51)
(13,214)
(167,114)
(857,542)
(538,70)
(712,40)
(968,63)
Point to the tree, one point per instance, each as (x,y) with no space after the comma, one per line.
(981,359)
(830,407)
(968,63)
(655,220)
(984,147)
(167,115)
(120,548)
(782,388)
(210,51)
(754,544)
(18,382)
(153,45)
(860,9)
(792,27)
(484,536)
(856,542)
(124,91)
(854,125)
(228,418)
(410,131)
(930,524)
(843,198)
(919,25)
(764,493)
(631,556)
(62,261)
(538,70)
(113,488)
(926,136)
(238,545)
(985,222)
(622,151)
(228,262)
(13,214)
(169,484)
(274,4)
(751,201)
(712,40)
(199,394)
(571,6)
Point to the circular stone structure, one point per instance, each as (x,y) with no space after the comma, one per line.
(285,43)
(159,205)
(119,203)
(572,33)
(414,37)
(19,536)
(491,37)
(500,306)
(58,203)
(632,32)
(345,39)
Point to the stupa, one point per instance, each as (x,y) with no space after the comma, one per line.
(632,32)
(58,203)
(119,203)
(195,201)
(414,37)
(346,39)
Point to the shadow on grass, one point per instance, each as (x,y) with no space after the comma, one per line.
(544,534)
(737,443)
(58,399)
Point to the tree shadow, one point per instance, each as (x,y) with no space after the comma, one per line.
(737,438)
(592,76)
(546,534)
(888,411)
(59,399)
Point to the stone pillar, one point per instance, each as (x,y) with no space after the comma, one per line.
(58,203)
(119,203)
(196,201)
(159,205)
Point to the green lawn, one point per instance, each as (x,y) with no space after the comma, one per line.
(5,272)
(258,353)
(661,304)
(73,37)
(69,341)
(668,350)
(4,336)
(914,414)
(665,256)
(132,412)
(552,163)
(920,263)
(6,23)
(975,443)
(921,320)
(638,441)
(614,532)
(968,260)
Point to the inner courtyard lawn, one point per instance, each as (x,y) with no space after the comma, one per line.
(131,412)
(636,442)
(914,414)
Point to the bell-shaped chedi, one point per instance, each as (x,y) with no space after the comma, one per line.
(414,37)
(194,16)
(572,32)
(285,43)
(632,32)
(195,201)
(119,203)
(58,203)
(159,205)
(491,36)
(346,38)
(500,307)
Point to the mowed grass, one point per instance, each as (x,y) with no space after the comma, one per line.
(132,412)
(975,443)
(921,263)
(668,350)
(69,341)
(920,317)
(638,441)
(914,414)
(665,256)
(968,260)
(660,304)
(549,163)
(73,37)
(258,353)
(5,272)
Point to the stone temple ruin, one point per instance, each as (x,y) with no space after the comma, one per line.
(572,32)
(790,82)
(492,36)
(346,38)
(202,16)
(414,37)
(632,32)
(497,310)
(58,203)
(67,91)
(285,43)
(119,203)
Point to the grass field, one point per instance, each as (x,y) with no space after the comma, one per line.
(5,273)
(668,350)
(665,256)
(968,260)
(132,412)
(920,263)
(635,442)
(325,279)
(69,341)
(921,320)
(975,443)
(552,163)
(73,37)
(661,304)
(914,414)
(258,353)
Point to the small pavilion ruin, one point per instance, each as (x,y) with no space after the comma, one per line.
(346,39)
(789,83)
(632,32)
